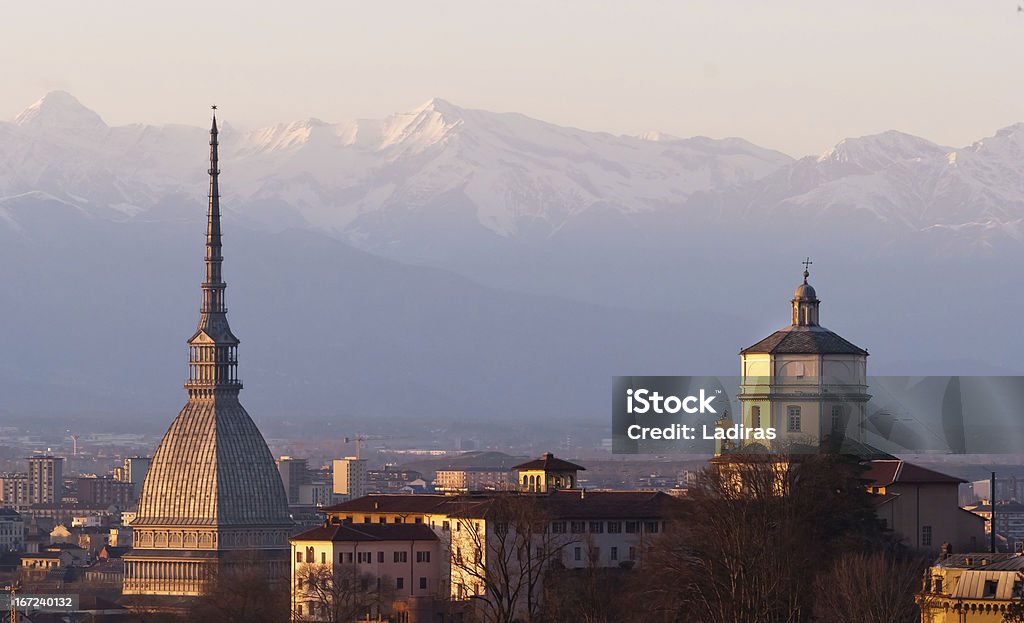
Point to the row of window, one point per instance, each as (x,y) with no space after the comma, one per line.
(302,584)
(793,417)
(595,554)
(600,527)
(360,558)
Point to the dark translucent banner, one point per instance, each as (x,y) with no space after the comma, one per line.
(871,416)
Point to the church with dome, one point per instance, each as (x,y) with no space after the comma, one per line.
(806,382)
(213,499)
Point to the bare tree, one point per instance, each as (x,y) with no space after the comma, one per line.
(340,594)
(240,592)
(870,588)
(502,549)
(753,538)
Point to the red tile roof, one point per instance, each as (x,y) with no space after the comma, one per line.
(368,532)
(882,473)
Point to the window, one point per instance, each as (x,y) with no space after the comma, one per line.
(755,417)
(632,527)
(349,557)
(615,553)
(614,527)
(595,554)
(298,556)
(422,556)
(309,554)
(445,526)
(401,557)
(577,554)
(577,527)
(458,555)
(323,558)
(926,536)
(423,583)
(558,527)
(382,520)
(989,592)
(632,553)
(399,583)
(366,519)
(837,417)
(651,527)
(398,520)
(299,608)
(380,556)
(419,520)
(793,423)
(938,584)
(597,527)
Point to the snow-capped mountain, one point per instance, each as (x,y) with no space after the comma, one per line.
(511,169)
(587,255)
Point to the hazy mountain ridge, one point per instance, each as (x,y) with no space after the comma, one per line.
(588,255)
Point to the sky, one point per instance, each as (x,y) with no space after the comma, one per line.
(797,75)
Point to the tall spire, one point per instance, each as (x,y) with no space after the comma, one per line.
(213,348)
(213,287)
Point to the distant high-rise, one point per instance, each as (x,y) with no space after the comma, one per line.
(134,471)
(45,479)
(349,478)
(212,500)
(294,474)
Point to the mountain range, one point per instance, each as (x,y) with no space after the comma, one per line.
(484,265)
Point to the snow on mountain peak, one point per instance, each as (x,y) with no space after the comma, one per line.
(60,111)
(877,151)
(655,136)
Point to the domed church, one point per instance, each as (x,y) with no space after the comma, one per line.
(806,381)
(213,498)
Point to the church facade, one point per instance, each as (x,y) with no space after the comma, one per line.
(212,498)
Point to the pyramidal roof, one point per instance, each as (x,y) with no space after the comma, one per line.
(213,467)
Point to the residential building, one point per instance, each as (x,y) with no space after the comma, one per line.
(350,478)
(14,490)
(380,564)
(45,479)
(971,588)
(471,480)
(105,491)
(12,531)
(922,506)
(580,528)
(1009,523)
(294,474)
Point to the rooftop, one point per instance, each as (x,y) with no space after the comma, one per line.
(549,462)
(368,532)
(801,340)
(885,472)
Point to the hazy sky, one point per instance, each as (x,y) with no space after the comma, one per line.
(793,75)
